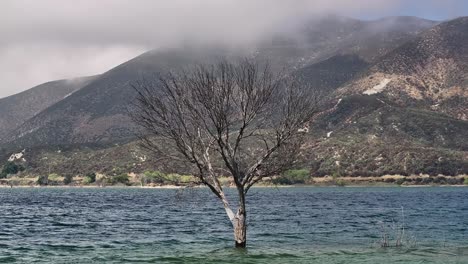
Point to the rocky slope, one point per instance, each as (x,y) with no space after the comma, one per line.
(430,71)
(16,109)
(399,102)
(325,37)
(365,135)
(406,113)
(98,112)
(333,72)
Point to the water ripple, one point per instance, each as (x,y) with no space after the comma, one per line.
(286,225)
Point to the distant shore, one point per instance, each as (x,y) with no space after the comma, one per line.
(327,181)
(260,186)
(98,187)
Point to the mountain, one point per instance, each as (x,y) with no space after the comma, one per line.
(405,113)
(323,38)
(381,36)
(430,72)
(397,104)
(366,135)
(333,72)
(97,113)
(16,109)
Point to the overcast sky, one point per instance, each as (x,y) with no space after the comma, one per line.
(43,40)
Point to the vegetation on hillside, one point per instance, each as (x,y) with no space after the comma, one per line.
(10,168)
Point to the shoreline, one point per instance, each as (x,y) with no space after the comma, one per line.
(173,187)
(326,181)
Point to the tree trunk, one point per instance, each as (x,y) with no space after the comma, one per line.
(240,229)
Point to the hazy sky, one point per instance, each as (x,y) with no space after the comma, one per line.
(43,40)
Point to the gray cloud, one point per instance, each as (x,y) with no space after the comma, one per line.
(23,66)
(53,39)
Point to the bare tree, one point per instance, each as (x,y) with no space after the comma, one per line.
(235,119)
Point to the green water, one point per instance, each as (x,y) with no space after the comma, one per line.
(286,225)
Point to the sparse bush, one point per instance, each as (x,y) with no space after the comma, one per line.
(465,181)
(281,181)
(336,175)
(177,179)
(340,182)
(87,180)
(172,178)
(43,180)
(158,177)
(336,179)
(417,181)
(122,178)
(454,181)
(54,177)
(440,180)
(292,177)
(10,168)
(427,180)
(186,178)
(297,176)
(152,177)
(117,171)
(400,181)
(90,178)
(67,179)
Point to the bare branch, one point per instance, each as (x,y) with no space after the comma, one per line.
(236,117)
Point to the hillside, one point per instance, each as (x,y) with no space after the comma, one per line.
(398,103)
(333,72)
(322,38)
(365,135)
(406,113)
(430,72)
(16,109)
(98,112)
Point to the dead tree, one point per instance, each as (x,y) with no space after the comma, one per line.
(233,119)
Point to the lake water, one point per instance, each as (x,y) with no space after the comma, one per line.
(286,225)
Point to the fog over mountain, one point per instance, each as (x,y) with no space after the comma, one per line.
(97,113)
(396,79)
(46,40)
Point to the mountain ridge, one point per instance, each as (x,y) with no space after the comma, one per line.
(429,71)
(97,113)
(398,101)
(18,108)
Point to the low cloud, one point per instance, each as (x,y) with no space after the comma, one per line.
(53,39)
(25,66)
